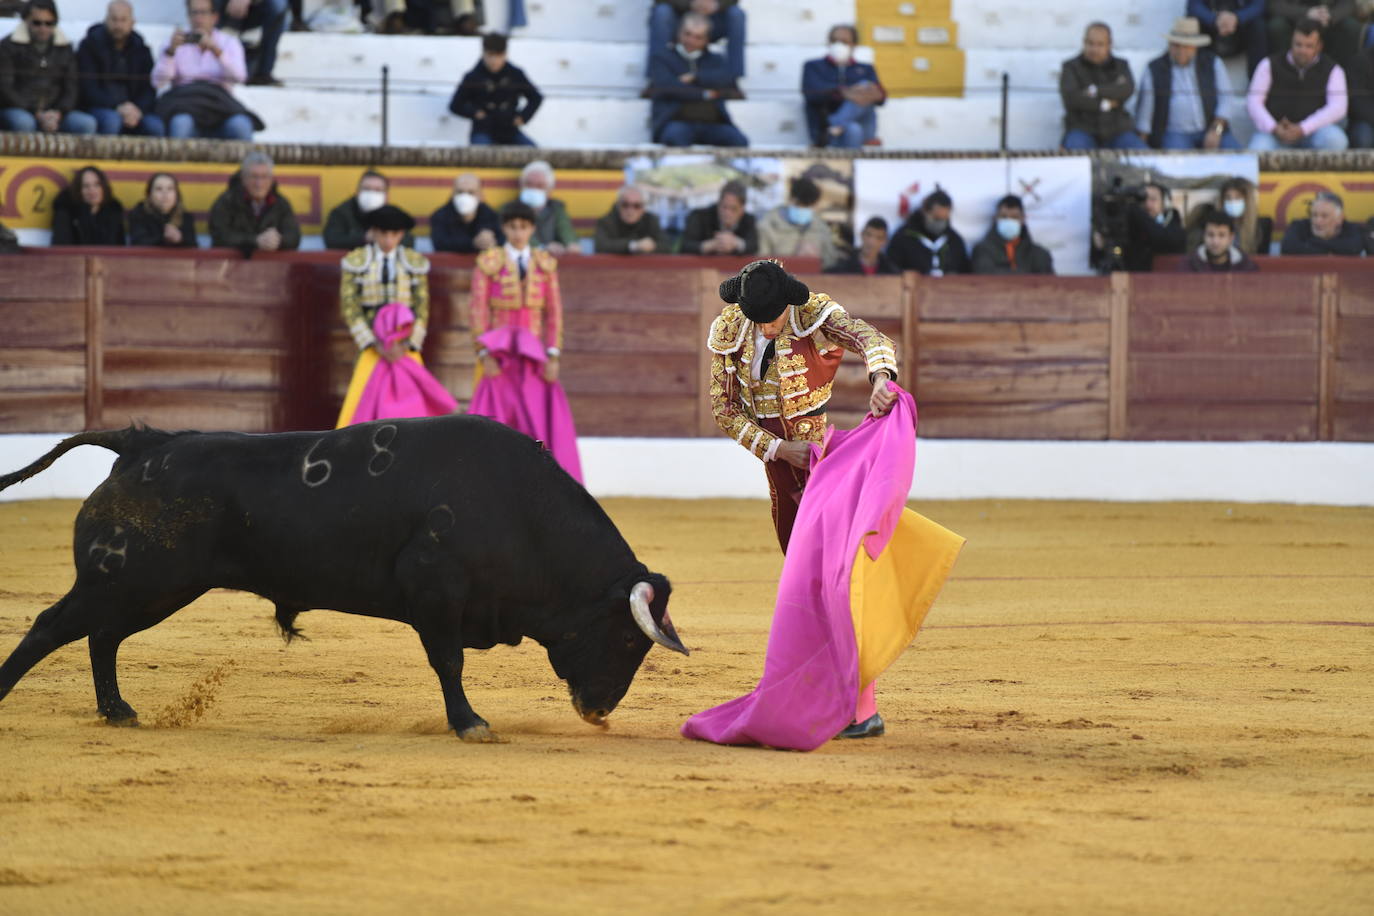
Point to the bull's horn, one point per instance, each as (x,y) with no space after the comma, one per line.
(665,636)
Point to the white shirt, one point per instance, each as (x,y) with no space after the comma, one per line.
(520,257)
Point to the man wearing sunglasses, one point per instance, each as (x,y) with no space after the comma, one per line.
(38,84)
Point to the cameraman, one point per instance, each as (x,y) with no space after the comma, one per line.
(1153,227)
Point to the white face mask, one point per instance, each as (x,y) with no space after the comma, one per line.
(690,55)
(535,197)
(370,200)
(465,203)
(839,52)
(1235,208)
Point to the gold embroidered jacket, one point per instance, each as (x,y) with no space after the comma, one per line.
(361,291)
(799,379)
(500,299)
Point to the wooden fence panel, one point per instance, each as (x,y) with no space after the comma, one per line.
(43,370)
(1352,363)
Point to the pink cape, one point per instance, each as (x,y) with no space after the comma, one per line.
(811,676)
(520,398)
(403,388)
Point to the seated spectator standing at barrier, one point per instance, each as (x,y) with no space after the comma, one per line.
(345,229)
(553,228)
(1336,18)
(688,83)
(1007,248)
(1185,99)
(870,259)
(1218,252)
(38,77)
(1094,87)
(1298,96)
(202,65)
(927,242)
(114,66)
(1153,227)
(1361,81)
(1326,232)
(86,211)
(725,18)
(724,228)
(628,228)
(465,223)
(270,16)
(842,95)
(251,214)
(1235,27)
(497,97)
(792,229)
(161,218)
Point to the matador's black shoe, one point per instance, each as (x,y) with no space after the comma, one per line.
(872,727)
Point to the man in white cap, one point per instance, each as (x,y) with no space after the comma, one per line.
(1185,99)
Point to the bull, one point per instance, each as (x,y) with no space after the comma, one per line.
(461,527)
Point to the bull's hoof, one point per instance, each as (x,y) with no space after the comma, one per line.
(121,714)
(122,721)
(481,734)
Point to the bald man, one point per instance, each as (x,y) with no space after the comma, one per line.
(114,64)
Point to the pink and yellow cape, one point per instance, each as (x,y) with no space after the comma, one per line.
(385,390)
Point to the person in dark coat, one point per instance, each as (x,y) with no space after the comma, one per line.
(38,84)
(1326,232)
(724,228)
(497,97)
(86,212)
(1360,79)
(927,242)
(842,95)
(870,259)
(344,229)
(1235,26)
(1218,252)
(727,18)
(251,214)
(1094,87)
(1008,248)
(114,68)
(161,218)
(628,229)
(688,83)
(465,223)
(1153,227)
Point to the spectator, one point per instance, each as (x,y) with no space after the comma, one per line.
(792,229)
(202,65)
(1007,248)
(1239,200)
(346,228)
(553,228)
(724,228)
(1185,99)
(928,243)
(38,81)
(497,97)
(465,223)
(628,229)
(1153,227)
(1340,30)
(842,95)
(251,214)
(86,211)
(870,259)
(1326,232)
(1361,79)
(1095,86)
(724,17)
(1296,98)
(688,83)
(1218,252)
(113,65)
(1235,27)
(270,16)
(161,219)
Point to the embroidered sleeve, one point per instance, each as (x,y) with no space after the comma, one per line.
(352,311)
(858,336)
(553,306)
(732,417)
(419,304)
(479,312)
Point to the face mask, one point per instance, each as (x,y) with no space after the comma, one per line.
(690,55)
(370,200)
(839,52)
(1235,208)
(798,216)
(936,226)
(465,203)
(1008,228)
(535,197)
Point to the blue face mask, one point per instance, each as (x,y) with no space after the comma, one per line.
(1008,228)
(535,197)
(798,216)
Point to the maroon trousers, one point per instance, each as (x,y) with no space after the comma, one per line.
(785,482)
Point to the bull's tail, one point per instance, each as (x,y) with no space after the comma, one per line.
(119,441)
(286,622)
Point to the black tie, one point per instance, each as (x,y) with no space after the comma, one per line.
(386,271)
(523,268)
(768,353)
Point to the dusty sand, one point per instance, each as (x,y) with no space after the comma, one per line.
(1114,708)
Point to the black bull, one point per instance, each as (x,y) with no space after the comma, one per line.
(462,528)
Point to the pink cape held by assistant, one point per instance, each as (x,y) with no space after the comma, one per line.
(861,572)
(382,390)
(520,398)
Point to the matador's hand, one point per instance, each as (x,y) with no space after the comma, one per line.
(881,401)
(797,454)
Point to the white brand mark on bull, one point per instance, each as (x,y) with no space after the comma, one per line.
(307,466)
(379,449)
(111,548)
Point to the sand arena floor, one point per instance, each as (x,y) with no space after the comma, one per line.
(1114,708)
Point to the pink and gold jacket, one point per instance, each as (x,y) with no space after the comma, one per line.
(501,300)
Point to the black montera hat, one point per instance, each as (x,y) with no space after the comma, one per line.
(764,291)
(389,217)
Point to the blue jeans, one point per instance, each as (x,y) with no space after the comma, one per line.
(1081,139)
(234,127)
(271,15)
(1361,135)
(860,123)
(727,23)
(23,122)
(1329,137)
(697,133)
(480,137)
(1178,139)
(108,122)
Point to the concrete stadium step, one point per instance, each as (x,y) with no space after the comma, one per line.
(1031,24)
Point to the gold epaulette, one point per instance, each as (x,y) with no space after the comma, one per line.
(356,261)
(807,318)
(414,262)
(546,262)
(491,261)
(727,331)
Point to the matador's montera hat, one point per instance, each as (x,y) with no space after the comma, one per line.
(764,291)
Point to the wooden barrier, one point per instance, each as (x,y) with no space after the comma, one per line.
(99,337)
